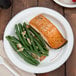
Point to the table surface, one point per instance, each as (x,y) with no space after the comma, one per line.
(68,68)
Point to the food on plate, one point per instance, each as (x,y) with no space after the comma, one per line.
(74,0)
(48,31)
(28,44)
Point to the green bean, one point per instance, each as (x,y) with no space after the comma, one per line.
(14,39)
(29,56)
(39,36)
(32,42)
(36,34)
(21,30)
(19,36)
(27,31)
(12,44)
(28,48)
(41,49)
(31,48)
(26,57)
(25,52)
(27,42)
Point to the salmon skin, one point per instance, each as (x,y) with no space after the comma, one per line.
(48,31)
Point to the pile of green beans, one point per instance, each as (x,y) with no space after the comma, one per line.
(36,46)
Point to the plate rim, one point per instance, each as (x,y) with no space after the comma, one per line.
(43,71)
(64,5)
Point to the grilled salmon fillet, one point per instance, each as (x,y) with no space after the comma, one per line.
(48,31)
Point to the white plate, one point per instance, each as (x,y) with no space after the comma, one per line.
(66,3)
(56,57)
